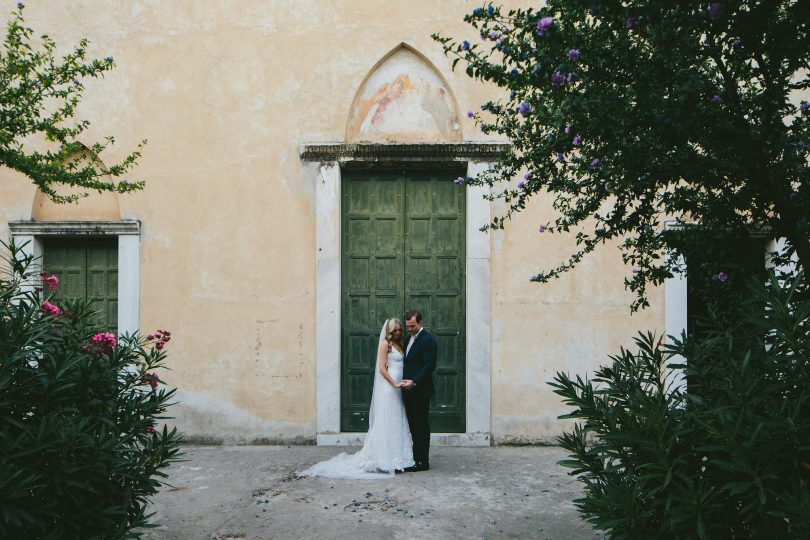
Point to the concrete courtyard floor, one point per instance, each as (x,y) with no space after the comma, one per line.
(252,492)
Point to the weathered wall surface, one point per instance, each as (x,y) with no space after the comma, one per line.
(226,93)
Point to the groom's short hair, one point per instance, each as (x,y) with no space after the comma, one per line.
(413,313)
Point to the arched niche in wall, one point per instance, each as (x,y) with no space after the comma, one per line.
(94,207)
(403,99)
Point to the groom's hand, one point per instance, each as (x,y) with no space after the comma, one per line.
(407,384)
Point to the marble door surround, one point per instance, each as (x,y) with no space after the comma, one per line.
(322,167)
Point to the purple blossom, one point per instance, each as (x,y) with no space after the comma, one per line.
(20,5)
(694,216)
(635,270)
(494,35)
(524,109)
(594,163)
(541,228)
(714,10)
(721,276)
(470,114)
(716,98)
(534,279)
(557,79)
(803,106)
(465,46)
(570,77)
(573,54)
(459,181)
(577,140)
(544,25)
(567,129)
(521,185)
(560,157)
(736,42)
(109,59)
(527,176)
(631,21)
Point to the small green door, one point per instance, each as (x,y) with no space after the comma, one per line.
(402,248)
(87,269)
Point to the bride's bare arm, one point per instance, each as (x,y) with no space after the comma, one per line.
(382,360)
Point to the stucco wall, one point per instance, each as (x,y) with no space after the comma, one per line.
(226,93)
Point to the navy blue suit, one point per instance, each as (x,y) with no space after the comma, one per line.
(420,362)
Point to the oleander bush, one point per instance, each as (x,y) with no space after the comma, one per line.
(715,447)
(82,444)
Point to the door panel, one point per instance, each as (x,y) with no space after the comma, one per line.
(403,248)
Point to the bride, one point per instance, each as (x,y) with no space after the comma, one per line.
(388,446)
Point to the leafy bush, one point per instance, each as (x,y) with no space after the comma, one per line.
(80,451)
(729,458)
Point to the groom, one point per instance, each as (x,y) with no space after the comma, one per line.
(417,383)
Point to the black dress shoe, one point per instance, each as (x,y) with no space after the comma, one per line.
(412,468)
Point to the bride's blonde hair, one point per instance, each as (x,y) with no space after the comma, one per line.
(392,324)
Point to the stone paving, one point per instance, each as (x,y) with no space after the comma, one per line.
(252,492)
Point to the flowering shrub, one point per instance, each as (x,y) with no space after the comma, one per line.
(82,443)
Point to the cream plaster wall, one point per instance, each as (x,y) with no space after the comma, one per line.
(227,92)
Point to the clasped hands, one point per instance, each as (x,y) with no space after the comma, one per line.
(406,384)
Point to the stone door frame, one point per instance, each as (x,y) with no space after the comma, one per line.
(31,234)
(323,168)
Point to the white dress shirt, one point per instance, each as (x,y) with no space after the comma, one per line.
(410,343)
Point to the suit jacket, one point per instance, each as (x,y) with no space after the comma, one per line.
(420,363)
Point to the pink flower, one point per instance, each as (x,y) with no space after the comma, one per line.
(50,309)
(152,379)
(151,429)
(159,345)
(104,341)
(50,281)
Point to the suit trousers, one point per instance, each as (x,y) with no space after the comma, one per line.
(417,405)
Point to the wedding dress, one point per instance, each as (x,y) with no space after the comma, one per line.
(388,445)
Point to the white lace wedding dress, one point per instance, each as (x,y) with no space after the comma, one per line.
(388,445)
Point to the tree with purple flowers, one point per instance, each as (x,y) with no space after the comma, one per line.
(628,115)
(39,94)
(689,108)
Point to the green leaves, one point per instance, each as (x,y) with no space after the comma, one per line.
(723,458)
(78,454)
(688,112)
(39,95)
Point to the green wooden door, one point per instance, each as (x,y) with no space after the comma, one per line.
(402,248)
(88,270)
